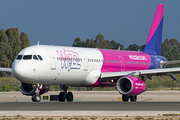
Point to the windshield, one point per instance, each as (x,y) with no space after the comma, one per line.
(19,57)
(27,57)
(39,57)
(35,57)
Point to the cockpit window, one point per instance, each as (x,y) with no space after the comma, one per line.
(35,57)
(27,57)
(19,57)
(39,57)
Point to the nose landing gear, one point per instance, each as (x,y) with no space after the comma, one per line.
(64,95)
(36,97)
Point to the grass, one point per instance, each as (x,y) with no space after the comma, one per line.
(158,83)
(138,118)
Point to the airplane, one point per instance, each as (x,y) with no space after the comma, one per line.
(39,66)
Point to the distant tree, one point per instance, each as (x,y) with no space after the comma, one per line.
(142,47)
(77,42)
(14,41)
(116,45)
(4,50)
(108,44)
(87,44)
(165,48)
(133,47)
(92,44)
(10,46)
(24,40)
(99,41)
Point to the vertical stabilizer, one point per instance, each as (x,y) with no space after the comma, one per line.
(153,44)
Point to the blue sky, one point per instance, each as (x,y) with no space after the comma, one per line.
(59,22)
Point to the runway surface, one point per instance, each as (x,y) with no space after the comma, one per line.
(98,96)
(92,103)
(90,106)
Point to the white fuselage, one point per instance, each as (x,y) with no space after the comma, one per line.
(60,65)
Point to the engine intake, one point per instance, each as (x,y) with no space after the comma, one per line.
(130,85)
(28,89)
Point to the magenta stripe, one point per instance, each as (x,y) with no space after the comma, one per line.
(116,61)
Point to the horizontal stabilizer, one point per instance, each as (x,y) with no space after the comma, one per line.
(164,64)
(170,62)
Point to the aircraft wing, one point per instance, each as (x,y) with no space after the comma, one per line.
(7,71)
(152,72)
(170,62)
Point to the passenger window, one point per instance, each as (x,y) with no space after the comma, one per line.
(19,57)
(35,57)
(39,57)
(27,57)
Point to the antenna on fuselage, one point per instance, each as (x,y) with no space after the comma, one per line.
(38,43)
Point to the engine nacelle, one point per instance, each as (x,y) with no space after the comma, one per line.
(129,85)
(28,89)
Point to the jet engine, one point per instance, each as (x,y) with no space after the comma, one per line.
(29,89)
(130,85)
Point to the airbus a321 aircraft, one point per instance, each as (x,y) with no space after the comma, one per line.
(37,67)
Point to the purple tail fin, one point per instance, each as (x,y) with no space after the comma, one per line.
(153,44)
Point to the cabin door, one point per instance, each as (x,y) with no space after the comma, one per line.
(52,58)
(122,63)
(85,61)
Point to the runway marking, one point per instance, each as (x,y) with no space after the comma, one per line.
(147,99)
(78,100)
(86,113)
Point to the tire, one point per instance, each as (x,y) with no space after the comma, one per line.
(36,98)
(125,98)
(33,98)
(69,97)
(133,98)
(61,97)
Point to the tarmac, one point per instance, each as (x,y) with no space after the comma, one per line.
(92,103)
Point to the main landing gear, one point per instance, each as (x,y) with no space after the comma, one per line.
(64,95)
(36,97)
(125,98)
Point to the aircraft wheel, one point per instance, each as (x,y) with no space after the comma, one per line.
(125,98)
(36,98)
(133,98)
(33,98)
(69,97)
(61,97)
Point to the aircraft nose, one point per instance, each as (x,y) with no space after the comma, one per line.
(19,70)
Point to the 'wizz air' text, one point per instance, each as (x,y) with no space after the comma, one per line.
(69,59)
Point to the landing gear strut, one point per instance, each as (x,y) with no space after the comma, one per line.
(125,98)
(36,97)
(64,95)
